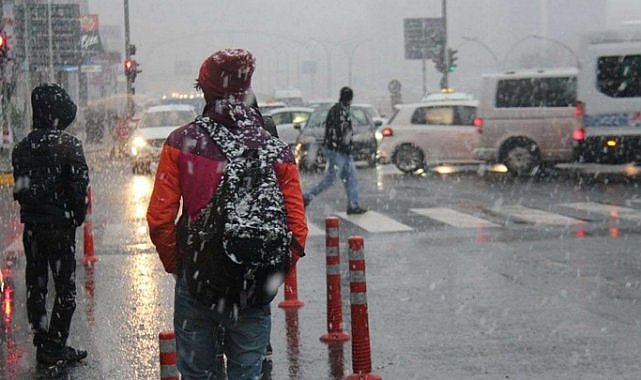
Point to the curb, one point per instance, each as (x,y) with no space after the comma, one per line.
(6,179)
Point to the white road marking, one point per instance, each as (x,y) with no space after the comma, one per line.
(607,210)
(536,216)
(372,221)
(453,217)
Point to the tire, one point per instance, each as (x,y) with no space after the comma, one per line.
(521,157)
(371,160)
(408,158)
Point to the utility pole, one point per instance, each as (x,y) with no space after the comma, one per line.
(130,90)
(444,79)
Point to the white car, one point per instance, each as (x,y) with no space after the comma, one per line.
(438,131)
(155,125)
(289,121)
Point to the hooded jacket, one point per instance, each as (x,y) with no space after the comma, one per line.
(191,166)
(49,168)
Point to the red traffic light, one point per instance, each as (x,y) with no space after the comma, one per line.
(130,66)
(3,41)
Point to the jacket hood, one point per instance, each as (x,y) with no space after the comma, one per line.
(52,107)
(241,119)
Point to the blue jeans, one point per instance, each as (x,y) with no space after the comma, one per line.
(343,165)
(246,334)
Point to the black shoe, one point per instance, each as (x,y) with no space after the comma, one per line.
(48,355)
(71,354)
(356,211)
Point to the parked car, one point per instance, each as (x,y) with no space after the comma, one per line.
(373,113)
(308,149)
(156,123)
(440,130)
(526,118)
(289,122)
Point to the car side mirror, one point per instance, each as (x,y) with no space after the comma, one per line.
(378,123)
(297,126)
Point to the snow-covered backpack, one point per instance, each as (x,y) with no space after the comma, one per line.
(238,250)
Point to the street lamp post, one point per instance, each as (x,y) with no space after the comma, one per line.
(537,37)
(484,45)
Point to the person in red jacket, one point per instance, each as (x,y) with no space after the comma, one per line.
(190,169)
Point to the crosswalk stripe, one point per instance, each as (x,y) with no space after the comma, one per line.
(607,210)
(453,217)
(372,221)
(535,216)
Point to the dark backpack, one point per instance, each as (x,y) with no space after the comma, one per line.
(238,250)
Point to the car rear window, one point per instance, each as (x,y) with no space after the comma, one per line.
(317,118)
(444,115)
(536,92)
(619,76)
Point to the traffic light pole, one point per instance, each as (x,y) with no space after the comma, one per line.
(446,58)
(130,89)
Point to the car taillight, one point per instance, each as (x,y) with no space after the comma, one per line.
(579,109)
(478,123)
(578,134)
(387,132)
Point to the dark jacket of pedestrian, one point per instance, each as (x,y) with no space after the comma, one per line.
(51,179)
(49,167)
(338,124)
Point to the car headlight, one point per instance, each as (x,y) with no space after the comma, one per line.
(137,145)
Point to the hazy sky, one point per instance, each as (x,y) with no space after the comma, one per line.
(174,36)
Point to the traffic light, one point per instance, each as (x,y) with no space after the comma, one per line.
(4,47)
(451,59)
(439,65)
(131,69)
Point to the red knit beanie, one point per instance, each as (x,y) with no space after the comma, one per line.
(227,72)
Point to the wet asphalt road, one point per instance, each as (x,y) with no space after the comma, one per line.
(517,300)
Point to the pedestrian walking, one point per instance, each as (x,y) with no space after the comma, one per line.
(338,146)
(51,179)
(190,169)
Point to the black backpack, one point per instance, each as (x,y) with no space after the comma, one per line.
(238,251)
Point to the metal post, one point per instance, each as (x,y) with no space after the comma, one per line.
(27,65)
(446,59)
(49,22)
(424,77)
(130,104)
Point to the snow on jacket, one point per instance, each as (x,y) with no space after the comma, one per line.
(191,166)
(338,129)
(49,168)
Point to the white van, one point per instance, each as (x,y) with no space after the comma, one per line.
(526,118)
(609,92)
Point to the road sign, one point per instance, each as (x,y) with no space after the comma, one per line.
(424,37)
(65,25)
(394,86)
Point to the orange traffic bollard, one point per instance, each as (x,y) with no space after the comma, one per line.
(291,291)
(333,274)
(167,345)
(361,350)
(89,258)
